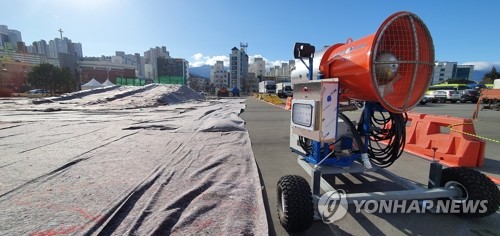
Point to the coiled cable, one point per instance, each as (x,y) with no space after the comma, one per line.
(389,127)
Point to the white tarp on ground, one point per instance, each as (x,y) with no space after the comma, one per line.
(94,167)
(93,83)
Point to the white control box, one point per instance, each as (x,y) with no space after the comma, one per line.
(314,109)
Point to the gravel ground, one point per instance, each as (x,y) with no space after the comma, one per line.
(128,160)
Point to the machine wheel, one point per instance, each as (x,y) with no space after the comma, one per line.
(496,105)
(295,205)
(475,186)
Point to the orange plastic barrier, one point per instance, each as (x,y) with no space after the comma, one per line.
(288,105)
(448,135)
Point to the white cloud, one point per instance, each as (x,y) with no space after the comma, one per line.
(214,59)
(197,56)
(483,65)
(199,59)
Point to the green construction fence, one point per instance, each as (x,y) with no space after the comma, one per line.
(140,82)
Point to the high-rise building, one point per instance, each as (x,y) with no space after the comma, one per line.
(281,73)
(219,75)
(120,54)
(151,57)
(445,70)
(238,62)
(64,45)
(52,53)
(41,47)
(9,38)
(31,49)
(256,74)
(464,72)
(172,70)
(78,49)
(4,34)
(15,36)
(21,47)
(258,67)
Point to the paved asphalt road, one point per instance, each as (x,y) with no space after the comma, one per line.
(268,126)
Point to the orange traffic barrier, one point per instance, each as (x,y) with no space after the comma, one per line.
(288,105)
(450,135)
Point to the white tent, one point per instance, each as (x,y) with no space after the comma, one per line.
(91,84)
(107,83)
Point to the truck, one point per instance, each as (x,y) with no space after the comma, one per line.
(267,86)
(284,89)
(490,97)
(223,92)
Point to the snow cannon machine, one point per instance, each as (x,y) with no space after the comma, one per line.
(384,75)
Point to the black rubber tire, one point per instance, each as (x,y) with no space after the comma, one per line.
(298,211)
(477,185)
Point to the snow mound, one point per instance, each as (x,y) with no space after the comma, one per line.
(233,123)
(182,94)
(126,97)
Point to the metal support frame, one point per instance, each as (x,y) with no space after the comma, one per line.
(411,190)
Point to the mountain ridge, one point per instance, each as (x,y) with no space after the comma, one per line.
(202,71)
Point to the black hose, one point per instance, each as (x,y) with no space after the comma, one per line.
(305,144)
(390,127)
(356,136)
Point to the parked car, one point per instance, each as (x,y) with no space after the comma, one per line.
(38,91)
(431,92)
(447,95)
(469,95)
(423,101)
(429,96)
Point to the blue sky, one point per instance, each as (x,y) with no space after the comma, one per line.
(203,31)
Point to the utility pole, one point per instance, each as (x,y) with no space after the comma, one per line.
(60,32)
